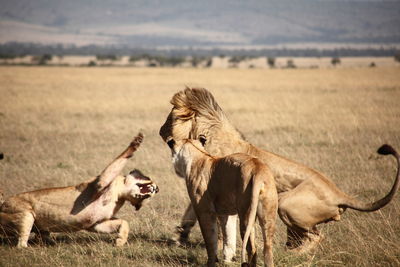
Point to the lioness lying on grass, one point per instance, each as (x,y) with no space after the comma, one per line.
(89,206)
(235,184)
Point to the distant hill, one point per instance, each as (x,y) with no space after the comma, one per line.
(199,23)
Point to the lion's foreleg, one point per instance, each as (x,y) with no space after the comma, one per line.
(188,221)
(113,226)
(209,230)
(228,227)
(116,166)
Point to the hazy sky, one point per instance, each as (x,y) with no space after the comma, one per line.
(173,22)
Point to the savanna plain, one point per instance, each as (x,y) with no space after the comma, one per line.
(62,125)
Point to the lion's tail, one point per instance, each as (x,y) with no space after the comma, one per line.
(368,207)
(257,185)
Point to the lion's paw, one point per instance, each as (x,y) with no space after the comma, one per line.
(120,242)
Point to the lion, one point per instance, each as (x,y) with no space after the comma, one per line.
(234,184)
(91,205)
(306,197)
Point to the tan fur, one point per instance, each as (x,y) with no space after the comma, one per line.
(235,184)
(1,197)
(306,197)
(90,206)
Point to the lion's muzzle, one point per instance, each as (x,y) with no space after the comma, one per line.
(147,190)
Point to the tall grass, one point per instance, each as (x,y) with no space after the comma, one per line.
(60,126)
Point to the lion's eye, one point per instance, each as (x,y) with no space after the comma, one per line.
(202,140)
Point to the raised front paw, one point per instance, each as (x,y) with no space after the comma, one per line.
(134,145)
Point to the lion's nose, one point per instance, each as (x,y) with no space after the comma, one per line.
(171,143)
(163,133)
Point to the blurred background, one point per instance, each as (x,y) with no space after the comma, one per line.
(160,33)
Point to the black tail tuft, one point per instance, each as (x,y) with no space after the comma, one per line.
(386,150)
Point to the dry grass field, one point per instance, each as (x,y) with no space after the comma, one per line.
(60,126)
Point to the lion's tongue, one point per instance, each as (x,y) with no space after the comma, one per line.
(144,189)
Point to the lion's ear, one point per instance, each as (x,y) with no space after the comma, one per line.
(202,139)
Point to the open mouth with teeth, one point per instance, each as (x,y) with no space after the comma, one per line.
(146,190)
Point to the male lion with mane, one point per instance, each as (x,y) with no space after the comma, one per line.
(306,197)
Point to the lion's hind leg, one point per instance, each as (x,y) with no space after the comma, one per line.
(228,229)
(19,224)
(26,223)
(266,214)
(113,226)
(8,229)
(42,237)
(302,241)
(251,245)
(244,223)
(301,210)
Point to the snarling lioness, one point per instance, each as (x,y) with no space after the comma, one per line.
(89,206)
(306,197)
(235,184)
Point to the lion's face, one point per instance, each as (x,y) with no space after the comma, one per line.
(139,187)
(183,152)
(176,127)
(197,116)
